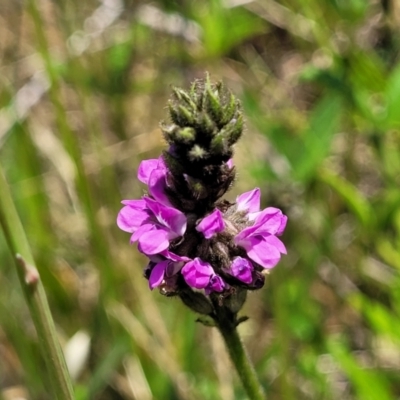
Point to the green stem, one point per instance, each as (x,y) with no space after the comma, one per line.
(227,325)
(35,295)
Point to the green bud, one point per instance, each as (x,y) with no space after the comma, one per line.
(186,135)
(197,152)
(233,130)
(177,92)
(212,102)
(204,124)
(173,112)
(169,132)
(183,96)
(196,93)
(187,117)
(236,133)
(219,144)
(213,107)
(230,109)
(181,115)
(193,91)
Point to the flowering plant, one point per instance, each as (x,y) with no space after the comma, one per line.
(206,250)
(195,240)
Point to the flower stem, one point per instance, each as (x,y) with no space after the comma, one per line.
(58,376)
(238,354)
(242,364)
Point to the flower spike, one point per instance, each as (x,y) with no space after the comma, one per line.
(205,250)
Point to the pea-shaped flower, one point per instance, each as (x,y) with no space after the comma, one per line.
(151,223)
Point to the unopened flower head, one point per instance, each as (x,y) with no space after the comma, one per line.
(195,241)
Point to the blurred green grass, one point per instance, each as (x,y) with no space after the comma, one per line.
(84,87)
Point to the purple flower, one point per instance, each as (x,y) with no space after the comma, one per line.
(164,267)
(259,240)
(152,223)
(200,275)
(241,269)
(153,173)
(249,202)
(216,284)
(197,273)
(133,215)
(211,224)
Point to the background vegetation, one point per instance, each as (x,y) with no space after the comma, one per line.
(83,88)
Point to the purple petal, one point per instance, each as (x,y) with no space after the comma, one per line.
(157,185)
(211,224)
(146,167)
(153,242)
(249,201)
(271,220)
(276,242)
(241,269)
(174,257)
(262,252)
(216,284)
(141,230)
(169,217)
(130,218)
(153,173)
(283,225)
(157,274)
(173,268)
(197,273)
(244,234)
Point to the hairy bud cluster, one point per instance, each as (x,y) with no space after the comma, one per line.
(206,123)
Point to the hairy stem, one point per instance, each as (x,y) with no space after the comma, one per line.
(242,363)
(227,325)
